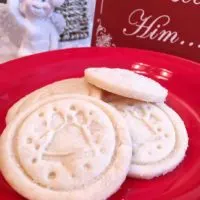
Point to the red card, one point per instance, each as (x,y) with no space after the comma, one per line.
(169,26)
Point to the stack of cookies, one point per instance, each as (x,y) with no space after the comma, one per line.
(78,139)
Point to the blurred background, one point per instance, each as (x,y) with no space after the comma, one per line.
(78,14)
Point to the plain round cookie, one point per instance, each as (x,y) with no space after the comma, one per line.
(67,86)
(66,147)
(159,138)
(126,83)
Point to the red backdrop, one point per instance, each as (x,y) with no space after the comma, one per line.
(170,26)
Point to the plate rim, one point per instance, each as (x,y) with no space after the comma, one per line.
(137,50)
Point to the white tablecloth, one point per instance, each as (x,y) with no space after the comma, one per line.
(8,28)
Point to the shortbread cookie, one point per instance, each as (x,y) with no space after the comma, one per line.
(159,138)
(68,86)
(66,147)
(126,83)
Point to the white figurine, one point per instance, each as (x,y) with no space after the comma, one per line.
(59,21)
(36,18)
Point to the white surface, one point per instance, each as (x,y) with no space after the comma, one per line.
(10,34)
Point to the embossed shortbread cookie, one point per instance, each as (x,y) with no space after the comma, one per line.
(159,138)
(126,83)
(67,147)
(68,86)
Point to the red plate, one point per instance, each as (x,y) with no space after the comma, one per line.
(181,77)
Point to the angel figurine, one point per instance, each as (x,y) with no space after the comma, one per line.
(40,24)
